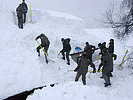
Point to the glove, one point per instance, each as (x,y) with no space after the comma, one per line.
(75,70)
(94,70)
(98,70)
(100,53)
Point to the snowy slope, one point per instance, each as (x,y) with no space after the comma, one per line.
(21,69)
(77,91)
(19,63)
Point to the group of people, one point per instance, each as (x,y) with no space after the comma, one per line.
(83,61)
(107,56)
(21,14)
(45,44)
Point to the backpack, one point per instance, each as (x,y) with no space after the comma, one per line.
(24,8)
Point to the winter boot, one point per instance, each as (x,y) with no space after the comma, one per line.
(94,70)
(63,58)
(111,75)
(101,77)
(105,85)
(46,61)
(68,63)
(39,54)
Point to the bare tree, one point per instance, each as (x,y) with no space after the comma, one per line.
(122,21)
(128,3)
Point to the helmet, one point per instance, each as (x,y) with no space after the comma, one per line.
(104,43)
(62,39)
(112,40)
(42,34)
(99,44)
(87,43)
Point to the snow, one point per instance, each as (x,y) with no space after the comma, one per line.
(64,15)
(77,91)
(21,69)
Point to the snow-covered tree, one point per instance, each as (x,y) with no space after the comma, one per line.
(121,19)
(128,3)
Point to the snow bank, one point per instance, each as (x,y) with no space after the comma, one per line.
(76,91)
(64,15)
(21,69)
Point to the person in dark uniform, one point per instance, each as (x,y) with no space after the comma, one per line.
(19,16)
(25,8)
(44,43)
(82,68)
(111,46)
(107,62)
(66,49)
(111,50)
(89,50)
(101,47)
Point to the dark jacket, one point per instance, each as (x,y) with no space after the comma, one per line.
(101,47)
(44,39)
(66,46)
(24,7)
(19,11)
(89,49)
(107,61)
(83,64)
(111,48)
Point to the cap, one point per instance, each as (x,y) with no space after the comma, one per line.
(112,40)
(99,44)
(62,39)
(87,43)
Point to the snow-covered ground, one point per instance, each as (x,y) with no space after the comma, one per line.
(21,69)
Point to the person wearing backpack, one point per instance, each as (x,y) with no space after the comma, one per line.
(19,16)
(25,8)
(66,49)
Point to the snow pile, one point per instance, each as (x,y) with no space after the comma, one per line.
(64,15)
(76,91)
(21,69)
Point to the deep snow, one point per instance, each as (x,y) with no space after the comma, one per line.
(21,69)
